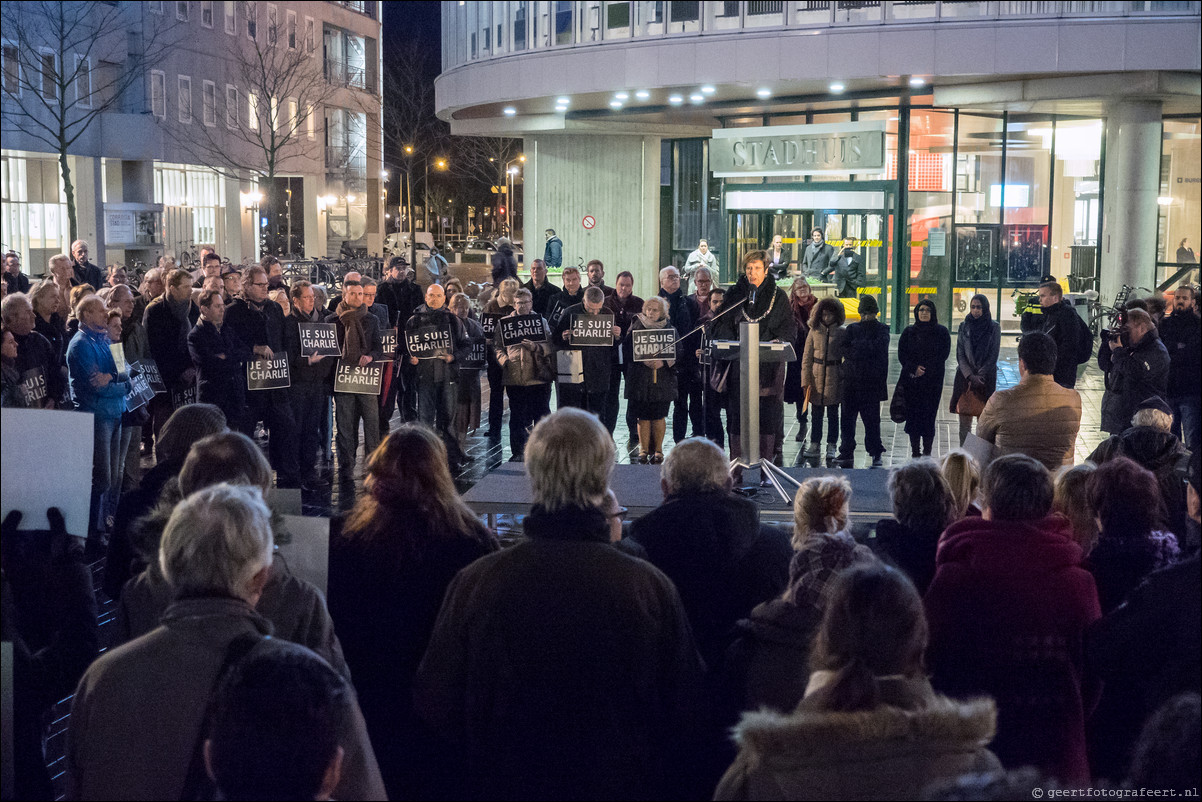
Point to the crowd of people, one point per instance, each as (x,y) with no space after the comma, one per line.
(1019,613)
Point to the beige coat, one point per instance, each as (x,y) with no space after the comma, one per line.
(822,358)
(893,751)
(1036,417)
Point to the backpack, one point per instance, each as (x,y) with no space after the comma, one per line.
(1084,341)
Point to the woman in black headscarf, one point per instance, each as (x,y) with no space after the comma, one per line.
(922,350)
(978,341)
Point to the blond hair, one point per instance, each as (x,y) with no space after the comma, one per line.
(963,478)
(822,504)
(569,458)
(1071,499)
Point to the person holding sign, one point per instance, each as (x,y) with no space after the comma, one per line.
(97,387)
(169,318)
(35,354)
(524,353)
(650,379)
(220,357)
(359,336)
(311,377)
(499,306)
(436,339)
(467,397)
(11,395)
(586,329)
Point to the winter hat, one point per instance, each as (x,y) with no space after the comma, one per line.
(1157,403)
(186,425)
(868,305)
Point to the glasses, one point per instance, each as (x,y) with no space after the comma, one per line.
(620,514)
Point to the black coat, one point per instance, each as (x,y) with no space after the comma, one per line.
(721,559)
(401,298)
(220,358)
(560,303)
(87,273)
(1133,374)
(684,312)
(771,307)
(866,362)
(168,340)
(927,345)
(435,370)
(1164,455)
(848,271)
(543,296)
(911,551)
(257,324)
(983,365)
(1181,333)
(321,372)
(644,384)
(597,360)
(1072,337)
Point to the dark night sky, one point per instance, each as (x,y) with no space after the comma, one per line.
(414,24)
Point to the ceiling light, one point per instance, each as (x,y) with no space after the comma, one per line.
(563,101)
(622,96)
(916,81)
(675,100)
(561,107)
(642,94)
(707,90)
(837,88)
(509,111)
(697,98)
(615,104)
(765,92)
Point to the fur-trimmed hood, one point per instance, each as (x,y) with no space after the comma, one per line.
(827,305)
(807,737)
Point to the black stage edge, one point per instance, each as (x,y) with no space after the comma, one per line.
(506,490)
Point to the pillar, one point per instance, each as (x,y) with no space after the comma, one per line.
(1131,185)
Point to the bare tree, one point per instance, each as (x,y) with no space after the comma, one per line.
(483,160)
(66,63)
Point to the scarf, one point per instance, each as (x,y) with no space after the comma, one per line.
(180,309)
(979,329)
(354,336)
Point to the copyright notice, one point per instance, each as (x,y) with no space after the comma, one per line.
(1114,793)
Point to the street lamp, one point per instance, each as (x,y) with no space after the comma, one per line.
(510,171)
(441,164)
(409,204)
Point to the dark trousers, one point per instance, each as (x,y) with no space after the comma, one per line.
(309,411)
(868,410)
(388,399)
(613,402)
(831,413)
(496,398)
(349,410)
(687,406)
(575,395)
(714,403)
(436,408)
(106,462)
(408,391)
(275,410)
(526,406)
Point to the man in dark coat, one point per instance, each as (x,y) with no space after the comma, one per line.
(865,383)
(1136,365)
(553,253)
(541,290)
(437,376)
(360,342)
(259,322)
(597,360)
(401,294)
(624,305)
(684,312)
(311,384)
(34,352)
(711,545)
(571,294)
(1181,333)
(1008,610)
(848,269)
(220,358)
(15,280)
(1058,320)
(816,257)
(169,318)
(85,271)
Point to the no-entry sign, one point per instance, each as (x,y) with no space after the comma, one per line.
(589,221)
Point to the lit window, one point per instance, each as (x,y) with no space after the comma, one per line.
(231,17)
(231,106)
(252,111)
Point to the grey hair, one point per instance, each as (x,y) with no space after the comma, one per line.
(92,299)
(1156,418)
(569,459)
(43,287)
(522,293)
(695,465)
(658,301)
(664,271)
(216,541)
(58,257)
(8,310)
(699,271)
(594,295)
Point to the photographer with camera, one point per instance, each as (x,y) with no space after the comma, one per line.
(1136,365)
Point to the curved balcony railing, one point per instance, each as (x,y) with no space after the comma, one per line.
(476,31)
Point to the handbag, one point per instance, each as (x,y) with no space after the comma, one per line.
(970,403)
(569,366)
(805,403)
(544,371)
(719,376)
(897,405)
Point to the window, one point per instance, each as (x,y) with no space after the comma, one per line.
(49,64)
(156,6)
(273,114)
(206,13)
(293,122)
(231,17)
(231,106)
(310,35)
(12,69)
(181,10)
(83,82)
(310,121)
(290,29)
(208,99)
(252,20)
(158,94)
(252,111)
(185,98)
(273,24)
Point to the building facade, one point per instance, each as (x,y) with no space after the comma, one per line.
(967,147)
(248,127)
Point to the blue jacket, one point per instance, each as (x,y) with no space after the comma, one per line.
(553,253)
(87,355)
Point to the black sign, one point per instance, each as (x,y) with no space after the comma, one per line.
(33,387)
(388,341)
(351,378)
(182,396)
(428,342)
(319,339)
(476,358)
(489,324)
(153,376)
(268,374)
(140,391)
(523,328)
(651,344)
(592,330)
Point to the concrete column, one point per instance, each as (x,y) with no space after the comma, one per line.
(1132,182)
(614,179)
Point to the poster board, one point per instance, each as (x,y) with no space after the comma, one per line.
(62,443)
(351,378)
(652,344)
(268,374)
(319,339)
(523,328)
(592,330)
(429,342)
(389,344)
(151,369)
(476,358)
(33,387)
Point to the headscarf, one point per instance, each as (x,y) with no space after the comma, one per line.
(979,329)
(927,302)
